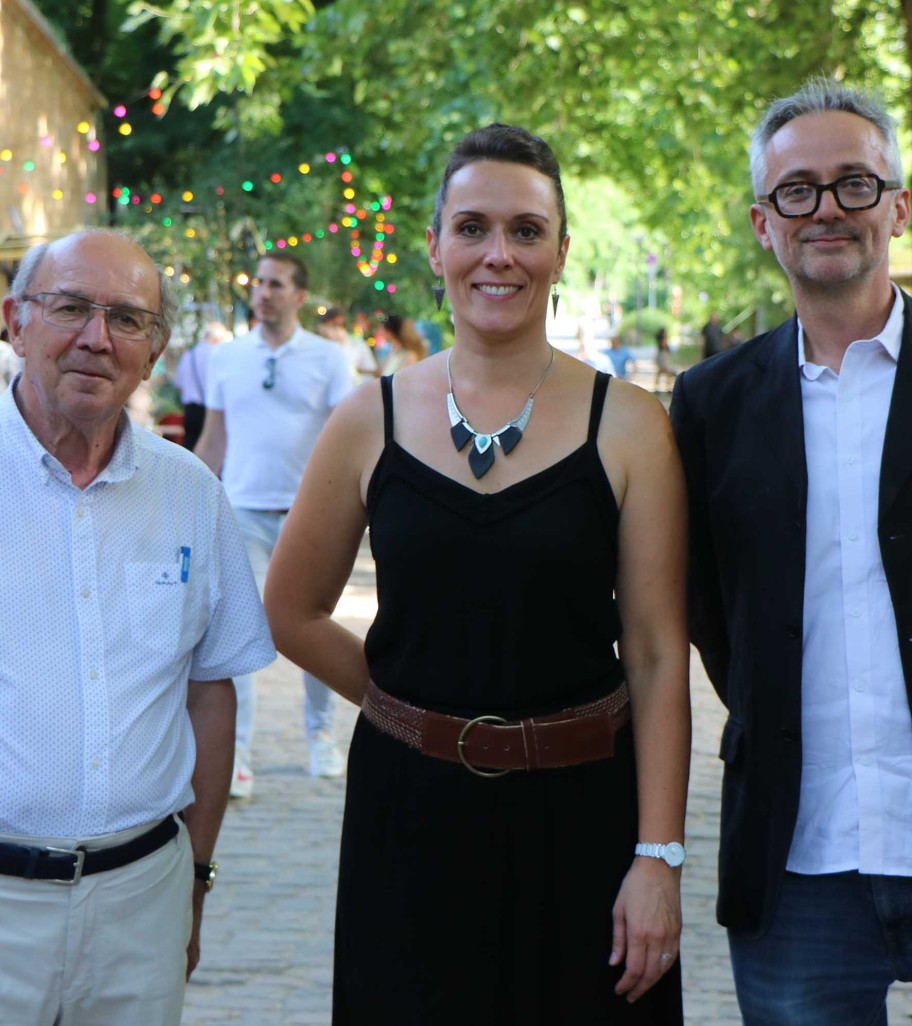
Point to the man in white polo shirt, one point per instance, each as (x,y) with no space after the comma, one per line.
(127,606)
(268,396)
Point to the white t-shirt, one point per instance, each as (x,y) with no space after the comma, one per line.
(272,431)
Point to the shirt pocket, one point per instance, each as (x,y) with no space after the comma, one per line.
(157,598)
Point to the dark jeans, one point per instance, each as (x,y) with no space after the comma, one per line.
(836,944)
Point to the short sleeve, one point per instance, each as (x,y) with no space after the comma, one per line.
(237,639)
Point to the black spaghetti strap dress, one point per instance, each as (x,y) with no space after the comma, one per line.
(487,902)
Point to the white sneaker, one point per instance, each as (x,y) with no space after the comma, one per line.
(325,758)
(241,778)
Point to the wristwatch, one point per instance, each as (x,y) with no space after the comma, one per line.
(672,853)
(206,871)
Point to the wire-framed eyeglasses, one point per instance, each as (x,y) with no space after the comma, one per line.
(129,323)
(852,192)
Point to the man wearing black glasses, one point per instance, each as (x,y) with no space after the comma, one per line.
(268,395)
(798,451)
(127,605)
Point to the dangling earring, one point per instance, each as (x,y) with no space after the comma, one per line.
(555,296)
(439,291)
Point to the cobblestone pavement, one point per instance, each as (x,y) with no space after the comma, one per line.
(267,933)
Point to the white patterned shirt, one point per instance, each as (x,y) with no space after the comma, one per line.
(856,728)
(114,596)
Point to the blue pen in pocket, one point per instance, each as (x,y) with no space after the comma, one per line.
(185,563)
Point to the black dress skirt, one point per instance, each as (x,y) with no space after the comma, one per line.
(487,902)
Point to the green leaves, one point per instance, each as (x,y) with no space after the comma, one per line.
(223,46)
(654,103)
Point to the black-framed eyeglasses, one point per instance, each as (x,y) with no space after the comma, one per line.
(270,378)
(852,192)
(62,310)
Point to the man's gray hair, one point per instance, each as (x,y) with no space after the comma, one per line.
(814,97)
(30,263)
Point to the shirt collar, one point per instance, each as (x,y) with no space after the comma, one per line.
(120,467)
(298,336)
(889,336)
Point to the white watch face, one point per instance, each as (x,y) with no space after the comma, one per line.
(674,854)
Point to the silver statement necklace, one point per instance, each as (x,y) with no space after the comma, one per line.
(481,455)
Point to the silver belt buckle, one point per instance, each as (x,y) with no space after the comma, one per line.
(80,861)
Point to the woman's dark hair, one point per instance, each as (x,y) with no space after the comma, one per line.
(509,144)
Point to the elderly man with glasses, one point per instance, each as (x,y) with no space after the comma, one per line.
(268,395)
(127,606)
(798,451)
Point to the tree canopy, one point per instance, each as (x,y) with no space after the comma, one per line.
(648,106)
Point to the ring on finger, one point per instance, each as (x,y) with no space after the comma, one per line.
(666,955)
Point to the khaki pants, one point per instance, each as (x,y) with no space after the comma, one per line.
(109,951)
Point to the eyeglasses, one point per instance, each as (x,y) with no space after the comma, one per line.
(124,322)
(852,192)
(270,378)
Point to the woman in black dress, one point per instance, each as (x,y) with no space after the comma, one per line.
(520,512)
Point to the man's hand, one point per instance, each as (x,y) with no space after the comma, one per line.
(193,948)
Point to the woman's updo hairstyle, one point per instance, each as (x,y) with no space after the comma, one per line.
(507,143)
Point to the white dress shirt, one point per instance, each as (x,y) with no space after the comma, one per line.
(103,619)
(272,431)
(856,777)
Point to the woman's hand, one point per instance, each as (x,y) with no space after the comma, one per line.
(647,925)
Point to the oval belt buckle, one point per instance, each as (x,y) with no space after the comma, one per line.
(460,744)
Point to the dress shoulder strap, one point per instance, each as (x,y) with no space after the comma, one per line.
(599,389)
(386,390)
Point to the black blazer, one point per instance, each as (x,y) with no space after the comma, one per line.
(739,426)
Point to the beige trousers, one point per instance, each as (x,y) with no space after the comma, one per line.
(109,951)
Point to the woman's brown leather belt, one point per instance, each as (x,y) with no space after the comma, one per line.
(491,746)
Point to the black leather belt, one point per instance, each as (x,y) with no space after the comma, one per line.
(70,865)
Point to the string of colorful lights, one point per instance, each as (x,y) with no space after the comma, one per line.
(367,248)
